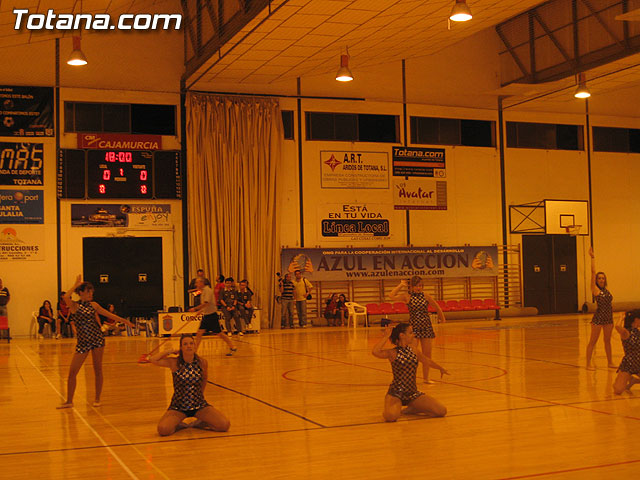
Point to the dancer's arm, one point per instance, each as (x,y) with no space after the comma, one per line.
(205,372)
(624,333)
(161,360)
(378,350)
(73,306)
(430,363)
(435,305)
(199,307)
(396,296)
(595,291)
(106,313)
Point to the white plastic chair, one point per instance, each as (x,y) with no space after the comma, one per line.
(33,328)
(355,311)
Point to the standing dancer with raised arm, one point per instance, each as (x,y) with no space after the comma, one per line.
(603,318)
(418,302)
(90,338)
(404,363)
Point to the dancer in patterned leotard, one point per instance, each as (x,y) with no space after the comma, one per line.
(603,318)
(404,363)
(84,315)
(630,366)
(189,381)
(418,302)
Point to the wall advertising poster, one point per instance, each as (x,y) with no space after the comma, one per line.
(26,111)
(354,170)
(339,264)
(121,215)
(418,162)
(419,193)
(21,206)
(119,141)
(355,221)
(21,163)
(22,242)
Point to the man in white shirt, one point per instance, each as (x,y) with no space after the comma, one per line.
(301,290)
(210,322)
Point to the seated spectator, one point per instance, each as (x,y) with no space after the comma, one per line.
(111,327)
(64,326)
(45,316)
(245,306)
(331,310)
(343,311)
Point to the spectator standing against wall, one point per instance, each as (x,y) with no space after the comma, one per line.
(301,293)
(229,301)
(193,289)
(286,301)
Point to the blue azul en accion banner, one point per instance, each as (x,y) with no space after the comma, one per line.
(339,264)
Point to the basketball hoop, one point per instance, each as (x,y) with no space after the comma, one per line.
(573,230)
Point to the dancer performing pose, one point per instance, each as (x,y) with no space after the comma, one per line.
(90,338)
(418,302)
(603,318)
(404,363)
(630,364)
(210,322)
(189,373)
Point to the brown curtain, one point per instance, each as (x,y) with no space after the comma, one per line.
(234,153)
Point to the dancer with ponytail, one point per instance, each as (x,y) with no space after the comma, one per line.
(603,318)
(418,302)
(404,364)
(190,372)
(84,315)
(630,365)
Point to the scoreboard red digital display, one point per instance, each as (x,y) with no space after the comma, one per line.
(119,174)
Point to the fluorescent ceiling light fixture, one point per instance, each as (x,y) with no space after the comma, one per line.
(77,58)
(460,12)
(344,74)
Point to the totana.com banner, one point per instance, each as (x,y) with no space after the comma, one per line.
(337,264)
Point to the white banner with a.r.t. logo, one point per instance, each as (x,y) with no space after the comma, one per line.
(350,170)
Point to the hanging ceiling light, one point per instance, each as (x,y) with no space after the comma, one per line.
(582,91)
(460,12)
(77,57)
(344,74)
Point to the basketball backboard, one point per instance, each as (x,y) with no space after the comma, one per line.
(560,214)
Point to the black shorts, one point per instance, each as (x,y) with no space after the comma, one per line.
(210,323)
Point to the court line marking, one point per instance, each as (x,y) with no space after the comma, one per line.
(413,418)
(267,403)
(577,469)
(551,402)
(73,409)
(108,422)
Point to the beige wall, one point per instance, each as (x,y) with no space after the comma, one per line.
(134,68)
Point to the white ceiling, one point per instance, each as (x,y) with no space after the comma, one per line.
(306,37)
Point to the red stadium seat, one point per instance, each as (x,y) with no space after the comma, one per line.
(443,305)
(373,309)
(490,304)
(477,304)
(387,308)
(466,305)
(400,307)
(453,306)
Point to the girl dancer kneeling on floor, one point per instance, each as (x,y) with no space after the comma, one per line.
(189,381)
(630,365)
(404,363)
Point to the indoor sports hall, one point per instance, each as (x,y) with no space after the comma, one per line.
(319,238)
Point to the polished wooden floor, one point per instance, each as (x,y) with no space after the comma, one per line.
(307,404)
